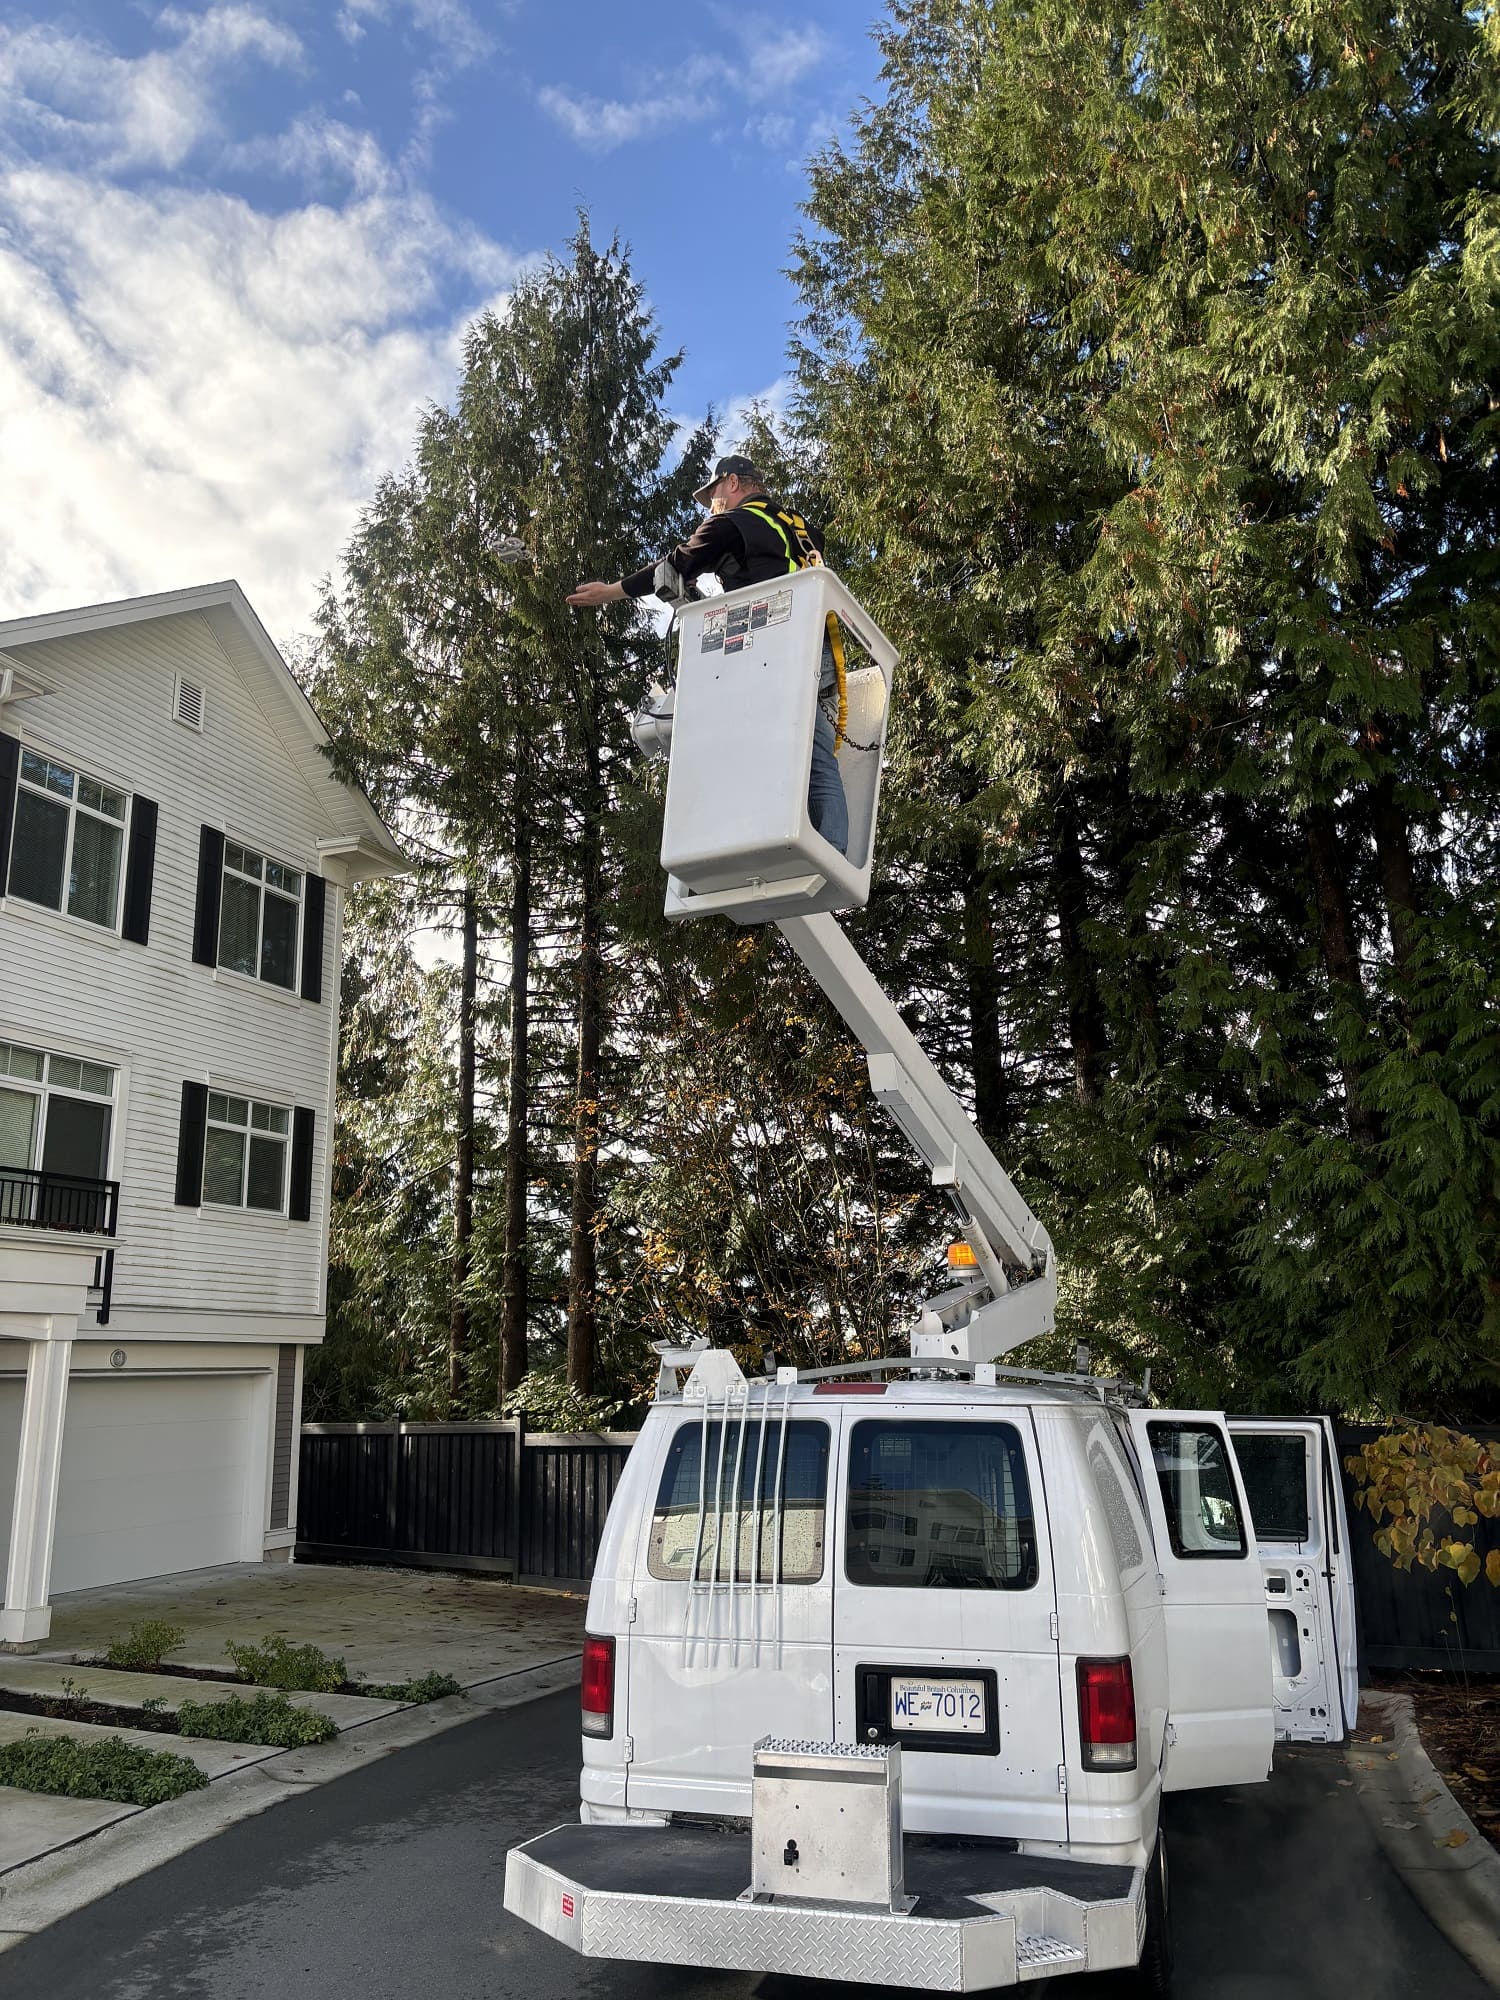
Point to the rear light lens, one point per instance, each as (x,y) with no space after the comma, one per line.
(1106,1715)
(598,1691)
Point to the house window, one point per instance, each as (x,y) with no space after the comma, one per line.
(69,841)
(260,915)
(245,1154)
(55,1114)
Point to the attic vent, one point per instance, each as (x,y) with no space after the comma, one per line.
(187,705)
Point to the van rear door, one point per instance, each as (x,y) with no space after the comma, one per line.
(1219,1729)
(1290,1470)
(731,1633)
(945,1617)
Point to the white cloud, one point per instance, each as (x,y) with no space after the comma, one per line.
(189,389)
(459,42)
(64,93)
(599,124)
(768,67)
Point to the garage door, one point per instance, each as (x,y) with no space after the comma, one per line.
(156,1477)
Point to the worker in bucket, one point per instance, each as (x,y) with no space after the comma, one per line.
(747,538)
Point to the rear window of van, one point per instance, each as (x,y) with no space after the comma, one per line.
(748,1499)
(939,1506)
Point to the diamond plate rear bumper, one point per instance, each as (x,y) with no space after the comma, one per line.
(622,1892)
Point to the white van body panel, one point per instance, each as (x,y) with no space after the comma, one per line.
(1219,1724)
(1109,1605)
(1290,1467)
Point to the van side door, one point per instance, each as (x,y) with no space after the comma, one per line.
(1290,1470)
(1219,1729)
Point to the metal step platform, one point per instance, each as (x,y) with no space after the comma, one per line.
(982,1916)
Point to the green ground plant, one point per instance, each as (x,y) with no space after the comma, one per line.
(144,1646)
(430,1687)
(262,1718)
(277,1663)
(112,1769)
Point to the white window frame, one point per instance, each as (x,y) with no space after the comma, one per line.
(75,807)
(264,888)
(44,1089)
(248,1131)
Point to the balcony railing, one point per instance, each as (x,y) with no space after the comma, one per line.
(37,1199)
(33,1198)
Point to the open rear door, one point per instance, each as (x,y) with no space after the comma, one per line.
(1219,1729)
(1290,1470)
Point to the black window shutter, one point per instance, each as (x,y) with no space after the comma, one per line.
(140,868)
(312,937)
(299,1198)
(210,889)
(191,1128)
(10,765)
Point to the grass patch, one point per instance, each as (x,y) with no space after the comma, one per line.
(431,1687)
(144,1646)
(280,1664)
(69,1768)
(264,1718)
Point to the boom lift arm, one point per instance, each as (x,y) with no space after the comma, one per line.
(1014,1296)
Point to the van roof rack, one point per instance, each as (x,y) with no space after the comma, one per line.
(985,1374)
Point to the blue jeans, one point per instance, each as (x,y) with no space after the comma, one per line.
(827,807)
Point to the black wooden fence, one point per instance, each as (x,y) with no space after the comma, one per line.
(483,1496)
(488,1496)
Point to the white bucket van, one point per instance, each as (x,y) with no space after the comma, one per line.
(1021,1609)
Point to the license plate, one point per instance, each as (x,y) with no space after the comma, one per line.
(948,1707)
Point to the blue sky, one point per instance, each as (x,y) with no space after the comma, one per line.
(240,239)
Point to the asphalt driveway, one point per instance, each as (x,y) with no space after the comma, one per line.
(388,1883)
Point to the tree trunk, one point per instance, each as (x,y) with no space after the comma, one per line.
(1086,1033)
(986,1060)
(583,1257)
(1397,875)
(1340,949)
(514,1299)
(463,1192)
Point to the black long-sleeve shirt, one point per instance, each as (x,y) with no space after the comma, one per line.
(721,545)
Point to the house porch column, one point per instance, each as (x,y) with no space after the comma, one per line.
(27,1616)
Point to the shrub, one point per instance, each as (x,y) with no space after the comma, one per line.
(1409,1477)
(264,1718)
(145,1646)
(111,1769)
(431,1687)
(280,1664)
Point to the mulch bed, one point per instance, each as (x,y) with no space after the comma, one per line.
(62,1708)
(1458,1719)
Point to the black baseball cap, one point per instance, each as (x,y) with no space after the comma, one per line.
(736,466)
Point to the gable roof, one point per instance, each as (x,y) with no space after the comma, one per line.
(359,844)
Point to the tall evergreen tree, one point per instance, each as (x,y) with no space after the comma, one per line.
(1154,352)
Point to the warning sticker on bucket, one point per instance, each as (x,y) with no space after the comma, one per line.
(713,632)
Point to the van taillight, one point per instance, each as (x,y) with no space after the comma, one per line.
(1106,1715)
(598,1693)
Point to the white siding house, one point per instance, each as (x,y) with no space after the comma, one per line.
(174,852)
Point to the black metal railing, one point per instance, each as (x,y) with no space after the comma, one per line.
(37,1199)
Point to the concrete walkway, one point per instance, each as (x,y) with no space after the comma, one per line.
(385,1624)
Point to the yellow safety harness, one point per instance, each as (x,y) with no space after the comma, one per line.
(807,556)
